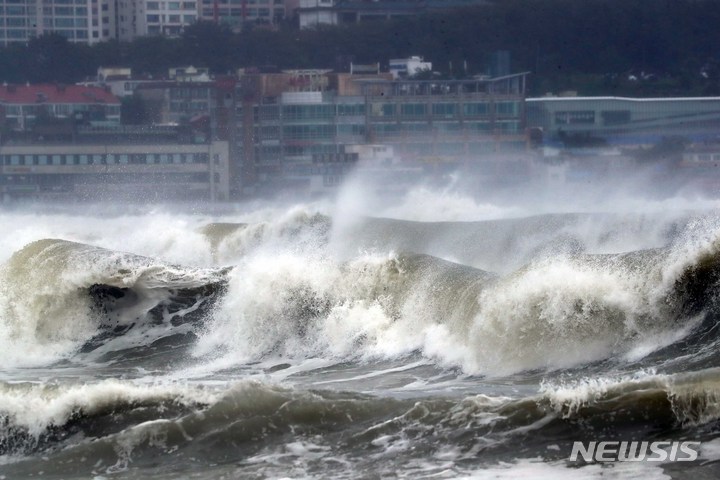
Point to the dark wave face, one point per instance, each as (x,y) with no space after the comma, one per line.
(312,346)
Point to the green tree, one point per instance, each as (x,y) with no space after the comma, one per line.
(51,58)
(133,111)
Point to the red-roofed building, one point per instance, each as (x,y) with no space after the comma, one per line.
(22,105)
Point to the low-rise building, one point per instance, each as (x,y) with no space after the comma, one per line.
(110,171)
(335,12)
(235,13)
(596,121)
(177,102)
(283,133)
(23,106)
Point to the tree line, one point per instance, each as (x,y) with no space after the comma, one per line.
(641,47)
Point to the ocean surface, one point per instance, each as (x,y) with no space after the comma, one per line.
(433,337)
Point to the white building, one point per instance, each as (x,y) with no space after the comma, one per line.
(129,19)
(189,74)
(407,67)
(119,80)
(317,12)
(169,18)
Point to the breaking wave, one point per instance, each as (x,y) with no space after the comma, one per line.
(555,312)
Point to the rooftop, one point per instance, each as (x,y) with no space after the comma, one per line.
(624,99)
(48,93)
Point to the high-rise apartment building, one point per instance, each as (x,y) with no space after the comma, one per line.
(92,21)
(86,21)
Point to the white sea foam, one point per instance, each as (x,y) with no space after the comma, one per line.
(431,205)
(542,316)
(37,407)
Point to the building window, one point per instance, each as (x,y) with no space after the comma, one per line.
(17,34)
(351,109)
(448,127)
(478,127)
(615,117)
(475,109)
(309,132)
(444,109)
(416,128)
(384,130)
(413,109)
(581,117)
(450,148)
(507,108)
(351,130)
(15,22)
(508,127)
(64,22)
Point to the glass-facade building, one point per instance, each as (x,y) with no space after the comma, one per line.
(624,121)
(452,122)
